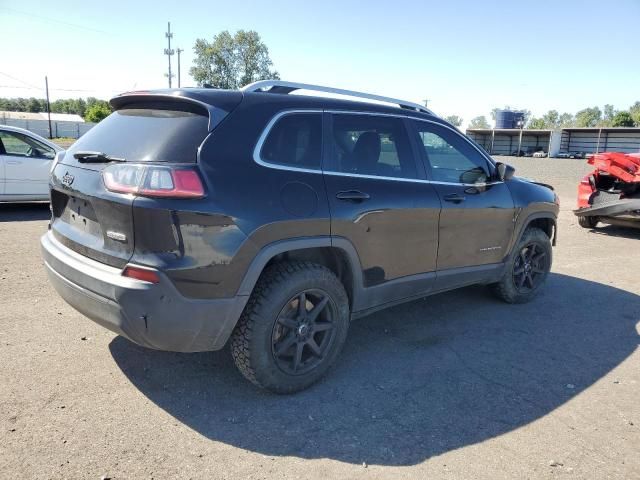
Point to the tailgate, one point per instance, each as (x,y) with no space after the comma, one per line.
(88,219)
(98,223)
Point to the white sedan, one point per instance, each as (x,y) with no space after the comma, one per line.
(25,163)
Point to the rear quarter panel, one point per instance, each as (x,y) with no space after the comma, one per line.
(206,246)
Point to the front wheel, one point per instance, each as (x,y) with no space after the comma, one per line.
(293,327)
(527,268)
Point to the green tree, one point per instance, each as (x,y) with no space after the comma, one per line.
(537,124)
(454,120)
(566,120)
(607,117)
(232,61)
(97,112)
(551,119)
(634,111)
(479,122)
(588,117)
(34,105)
(622,119)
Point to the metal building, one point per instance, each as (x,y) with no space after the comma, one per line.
(508,141)
(605,139)
(567,140)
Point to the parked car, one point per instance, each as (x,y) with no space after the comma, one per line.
(189,219)
(25,162)
(611,192)
(540,154)
(571,155)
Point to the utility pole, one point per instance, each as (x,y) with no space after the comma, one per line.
(179,51)
(167,51)
(46,87)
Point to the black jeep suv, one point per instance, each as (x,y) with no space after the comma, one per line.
(193,218)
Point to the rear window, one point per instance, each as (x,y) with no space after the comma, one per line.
(147,135)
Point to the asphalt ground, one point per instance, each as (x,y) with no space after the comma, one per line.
(458,385)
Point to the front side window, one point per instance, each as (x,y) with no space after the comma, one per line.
(294,141)
(452,159)
(371,145)
(20,145)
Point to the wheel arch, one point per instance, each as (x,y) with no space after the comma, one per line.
(545,221)
(337,254)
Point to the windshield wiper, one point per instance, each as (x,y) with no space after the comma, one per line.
(96,157)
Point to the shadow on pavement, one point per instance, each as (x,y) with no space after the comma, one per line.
(414,381)
(616,231)
(20,212)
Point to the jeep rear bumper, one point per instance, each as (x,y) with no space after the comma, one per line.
(152,315)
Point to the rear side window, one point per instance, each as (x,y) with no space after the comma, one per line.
(294,141)
(371,145)
(147,134)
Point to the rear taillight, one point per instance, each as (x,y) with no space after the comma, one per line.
(143,274)
(153,180)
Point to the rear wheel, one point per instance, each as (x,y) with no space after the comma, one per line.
(293,327)
(588,222)
(527,268)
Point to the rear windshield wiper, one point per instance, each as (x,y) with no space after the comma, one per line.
(96,157)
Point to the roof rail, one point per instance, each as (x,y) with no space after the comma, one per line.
(278,86)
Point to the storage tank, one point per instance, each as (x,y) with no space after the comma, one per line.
(509,118)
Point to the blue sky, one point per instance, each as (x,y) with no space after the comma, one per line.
(466,57)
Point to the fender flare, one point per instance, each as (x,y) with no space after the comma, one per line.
(271,250)
(537,216)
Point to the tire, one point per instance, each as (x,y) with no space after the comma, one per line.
(588,222)
(533,249)
(265,344)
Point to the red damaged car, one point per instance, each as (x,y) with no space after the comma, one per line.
(611,193)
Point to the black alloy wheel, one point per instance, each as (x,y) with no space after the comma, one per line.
(303,332)
(530,267)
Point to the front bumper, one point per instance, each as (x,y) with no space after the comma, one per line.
(152,315)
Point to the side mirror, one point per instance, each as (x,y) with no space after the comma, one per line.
(505,172)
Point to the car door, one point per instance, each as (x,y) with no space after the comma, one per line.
(26,165)
(381,202)
(477,218)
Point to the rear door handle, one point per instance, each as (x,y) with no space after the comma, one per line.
(352,196)
(14,162)
(455,198)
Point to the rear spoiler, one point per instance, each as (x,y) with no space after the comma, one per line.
(225,101)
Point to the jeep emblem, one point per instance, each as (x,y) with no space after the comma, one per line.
(67,180)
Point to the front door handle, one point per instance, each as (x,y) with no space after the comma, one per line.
(14,162)
(455,198)
(352,196)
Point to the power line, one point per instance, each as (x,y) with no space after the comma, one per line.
(18,80)
(53,20)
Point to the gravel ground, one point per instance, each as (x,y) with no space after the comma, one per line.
(458,385)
